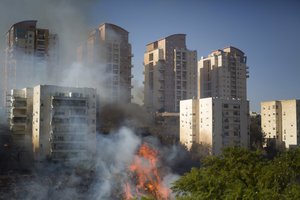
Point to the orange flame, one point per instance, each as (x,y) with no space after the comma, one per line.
(147,179)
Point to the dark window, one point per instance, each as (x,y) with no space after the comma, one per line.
(150,56)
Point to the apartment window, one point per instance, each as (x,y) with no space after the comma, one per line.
(225,105)
(236,106)
(236,113)
(151,66)
(183,55)
(150,56)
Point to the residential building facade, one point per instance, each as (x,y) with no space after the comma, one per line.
(220,116)
(170,74)
(30,52)
(215,123)
(280,121)
(19,107)
(64,123)
(107,54)
(223,74)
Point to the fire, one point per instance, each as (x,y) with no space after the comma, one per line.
(146,176)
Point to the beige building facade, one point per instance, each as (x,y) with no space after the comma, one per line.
(223,74)
(280,121)
(220,116)
(170,74)
(214,122)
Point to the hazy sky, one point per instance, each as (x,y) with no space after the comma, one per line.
(267,31)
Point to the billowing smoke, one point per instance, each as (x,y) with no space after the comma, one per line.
(68,19)
(104,179)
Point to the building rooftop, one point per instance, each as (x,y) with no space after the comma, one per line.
(170,36)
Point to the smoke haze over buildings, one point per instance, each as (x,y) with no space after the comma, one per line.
(69,19)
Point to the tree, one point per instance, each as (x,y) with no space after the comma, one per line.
(242,174)
(256,134)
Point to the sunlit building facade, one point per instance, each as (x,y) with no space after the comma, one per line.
(280,122)
(220,116)
(224,74)
(170,74)
(214,122)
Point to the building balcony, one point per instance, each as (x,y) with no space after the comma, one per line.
(59,101)
(161,99)
(18,129)
(21,112)
(161,78)
(161,69)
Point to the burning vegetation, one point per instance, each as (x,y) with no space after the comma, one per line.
(145,175)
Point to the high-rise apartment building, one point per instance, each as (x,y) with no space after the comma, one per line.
(214,122)
(170,74)
(63,122)
(220,116)
(223,74)
(31,56)
(108,55)
(280,122)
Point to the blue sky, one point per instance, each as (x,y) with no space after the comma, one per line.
(267,31)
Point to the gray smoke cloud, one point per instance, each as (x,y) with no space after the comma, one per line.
(69,19)
(103,181)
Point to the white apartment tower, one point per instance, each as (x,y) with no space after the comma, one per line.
(280,121)
(223,74)
(214,122)
(188,124)
(170,71)
(64,123)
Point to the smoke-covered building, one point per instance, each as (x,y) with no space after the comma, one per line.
(64,123)
(31,56)
(108,54)
(20,122)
